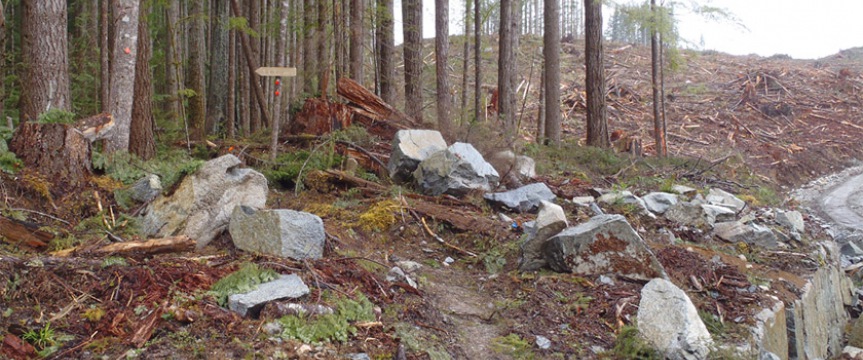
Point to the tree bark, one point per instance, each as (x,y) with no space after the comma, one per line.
(123,73)
(441,44)
(357,40)
(507,68)
(412,16)
(310,69)
(254,8)
(323,48)
(386,46)
(597,123)
(551,70)
(175,105)
(477,61)
(141,136)
(195,69)
(655,62)
(57,151)
(104,55)
(3,61)
(252,64)
(217,97)
(45,49)
(231,106)
(466,58)
(280,61)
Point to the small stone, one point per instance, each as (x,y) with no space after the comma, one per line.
(659,202)
(723,198)
(448,261)
(543,342)
(741,257)
(408,266)
(605,280)
(273,328)
(524,199)
(396,274)
(250,303)
(583,200)
(683,190)
(358,356)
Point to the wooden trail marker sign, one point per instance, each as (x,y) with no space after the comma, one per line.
(276,71)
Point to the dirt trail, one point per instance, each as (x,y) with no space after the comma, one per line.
(470,313)
(844,204)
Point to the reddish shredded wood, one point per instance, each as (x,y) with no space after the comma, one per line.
(17,232)
(144,332)
(15,348)
(319,117)
(375,108)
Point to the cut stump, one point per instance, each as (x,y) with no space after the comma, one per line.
(60,152)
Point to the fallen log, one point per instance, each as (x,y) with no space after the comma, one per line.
(17,232)
(153,246)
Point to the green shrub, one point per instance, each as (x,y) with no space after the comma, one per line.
(630,345)
(285,174)
(56,116)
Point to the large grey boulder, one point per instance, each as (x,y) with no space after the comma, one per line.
(723,198)
(550,221)
(791,220)
(625,197)
(605,244)
(287,233)
(668,320)
(693,213)
(523,199)
(146,188)
(683,190)
(251,303)
(455,171)
(508,165)
(410,147)
(659,202)
(752,234)
(201,206)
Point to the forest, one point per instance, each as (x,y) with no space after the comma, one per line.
(540,179)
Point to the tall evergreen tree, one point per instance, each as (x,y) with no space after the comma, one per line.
(551,69)
(444,98)
(123,73)
(141,135)
(45,49)
(357,39)
(412,15)
(386,49)
(597,118)
(195,71)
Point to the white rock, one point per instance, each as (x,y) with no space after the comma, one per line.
(668,320)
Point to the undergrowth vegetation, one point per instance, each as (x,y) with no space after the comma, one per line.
(338,326)
(246,279)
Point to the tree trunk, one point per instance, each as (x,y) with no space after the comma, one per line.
(323,48)
(172,54)
(412,15)
(441,44)
(506,68)
(195,70)
(540,114)
(141,136)
(658,131)
(310,69)
(104,55)
(597,121)
(386,46)
(477,61)
(217,97)
(357,40)
(3,62)
(254,8)
(123,73)
(280,61)
(466,60)
(45,49)
(551,70)
(231,105)
(56,151)
(252,65)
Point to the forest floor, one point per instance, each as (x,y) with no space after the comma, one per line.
(758,127)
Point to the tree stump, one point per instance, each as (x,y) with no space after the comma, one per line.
(60,152)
